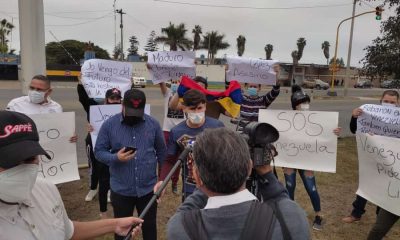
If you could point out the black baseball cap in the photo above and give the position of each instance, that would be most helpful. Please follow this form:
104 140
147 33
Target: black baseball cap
19 139
113 92
134 102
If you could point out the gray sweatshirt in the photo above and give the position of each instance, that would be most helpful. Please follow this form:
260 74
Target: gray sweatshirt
227 222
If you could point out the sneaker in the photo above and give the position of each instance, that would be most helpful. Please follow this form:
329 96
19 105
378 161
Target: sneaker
108 196
91 194
174 188
317 225
350 219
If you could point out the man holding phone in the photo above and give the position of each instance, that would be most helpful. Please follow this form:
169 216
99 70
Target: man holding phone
131 143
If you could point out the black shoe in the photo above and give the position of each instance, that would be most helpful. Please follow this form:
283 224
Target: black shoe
317 225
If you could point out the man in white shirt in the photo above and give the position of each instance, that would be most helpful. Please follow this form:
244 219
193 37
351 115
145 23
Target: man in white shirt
38 100
32 208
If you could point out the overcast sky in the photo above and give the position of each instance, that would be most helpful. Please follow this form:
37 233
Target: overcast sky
93 20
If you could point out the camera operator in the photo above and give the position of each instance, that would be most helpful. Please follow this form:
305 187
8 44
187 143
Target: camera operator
222 207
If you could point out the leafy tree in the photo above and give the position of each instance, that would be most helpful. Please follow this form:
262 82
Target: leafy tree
151 45
325 48
213 42
240 43
134 48
196 39
268 51
339 62
55 54
382 57
5 29
117 51
175 37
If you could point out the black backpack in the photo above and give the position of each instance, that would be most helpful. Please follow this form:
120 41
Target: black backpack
259 223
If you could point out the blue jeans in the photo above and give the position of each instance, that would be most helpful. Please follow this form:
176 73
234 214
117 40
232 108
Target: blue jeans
359 207
309 184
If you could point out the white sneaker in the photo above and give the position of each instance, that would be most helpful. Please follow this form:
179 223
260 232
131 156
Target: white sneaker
108 196
91 194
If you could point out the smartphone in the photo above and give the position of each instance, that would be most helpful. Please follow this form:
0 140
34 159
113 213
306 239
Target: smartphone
127 149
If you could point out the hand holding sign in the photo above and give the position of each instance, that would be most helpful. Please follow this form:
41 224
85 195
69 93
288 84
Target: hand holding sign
380 120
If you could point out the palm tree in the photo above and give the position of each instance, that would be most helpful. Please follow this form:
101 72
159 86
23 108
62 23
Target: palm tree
213 42
196 39
240 43
268 51
5 29
297 54
325 48
175 37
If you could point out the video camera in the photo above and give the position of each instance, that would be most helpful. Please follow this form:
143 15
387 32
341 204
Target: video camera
259 137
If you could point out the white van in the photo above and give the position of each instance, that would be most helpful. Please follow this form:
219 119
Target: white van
138 82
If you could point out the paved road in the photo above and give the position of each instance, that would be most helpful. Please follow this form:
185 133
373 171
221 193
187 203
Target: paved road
65 94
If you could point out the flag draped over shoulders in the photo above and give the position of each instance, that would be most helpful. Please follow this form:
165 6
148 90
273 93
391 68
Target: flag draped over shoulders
230 99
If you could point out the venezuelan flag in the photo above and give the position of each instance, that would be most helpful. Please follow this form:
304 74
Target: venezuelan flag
230 99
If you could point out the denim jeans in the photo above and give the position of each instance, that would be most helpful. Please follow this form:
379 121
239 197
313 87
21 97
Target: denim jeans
359 207
309 184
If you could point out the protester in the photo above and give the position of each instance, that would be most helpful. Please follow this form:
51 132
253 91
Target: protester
131 143
222 207
214 108
384 222
252 102
301 101
194 106
389 98
99 172
30 206
38 100
171 119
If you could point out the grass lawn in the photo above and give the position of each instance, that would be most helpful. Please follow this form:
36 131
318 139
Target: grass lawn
337 192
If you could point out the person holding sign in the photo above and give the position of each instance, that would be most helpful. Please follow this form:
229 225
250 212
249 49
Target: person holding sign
301 101
31 207
171 119
38 100
131 143
99 174
252 102
389 98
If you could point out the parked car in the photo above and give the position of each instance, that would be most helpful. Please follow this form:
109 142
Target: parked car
316 83
138 82
391 83
364 84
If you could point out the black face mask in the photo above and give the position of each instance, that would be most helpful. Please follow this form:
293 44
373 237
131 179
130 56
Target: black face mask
108 103
132 120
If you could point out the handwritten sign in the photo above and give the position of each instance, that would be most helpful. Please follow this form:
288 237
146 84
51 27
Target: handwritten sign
380 120
100 113
379 171
306 138
251 70
55 130
99 75
165 66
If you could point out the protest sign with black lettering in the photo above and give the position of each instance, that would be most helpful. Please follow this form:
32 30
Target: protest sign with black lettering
165 66
100 113
99 75
55 130
251 70
379 171
306 138
380 120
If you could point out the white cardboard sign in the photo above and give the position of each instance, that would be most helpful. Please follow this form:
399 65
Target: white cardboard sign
380 120
306 138
251 70
99 75
379 171
165 66
55 130
100 113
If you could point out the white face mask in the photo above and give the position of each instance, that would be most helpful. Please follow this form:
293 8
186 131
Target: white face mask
196 118
36 96
304 107
16 183
388 104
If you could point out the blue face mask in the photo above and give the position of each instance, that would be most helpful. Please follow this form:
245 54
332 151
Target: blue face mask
174 87
252 91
